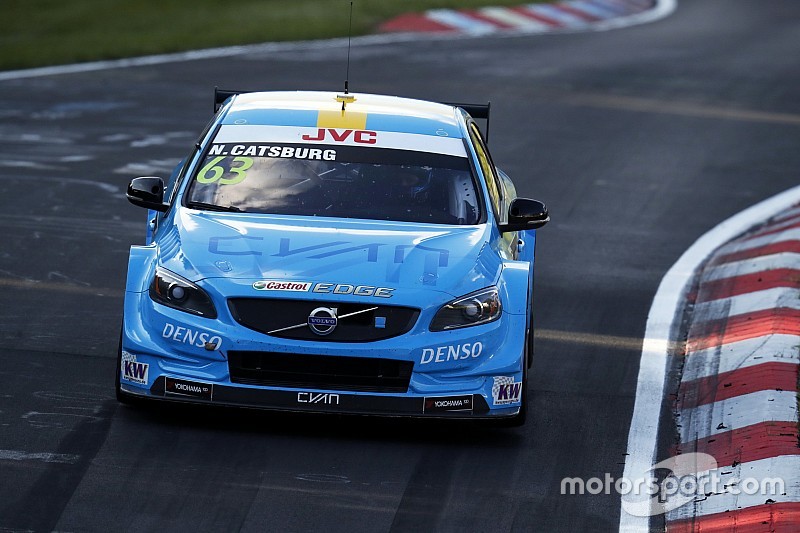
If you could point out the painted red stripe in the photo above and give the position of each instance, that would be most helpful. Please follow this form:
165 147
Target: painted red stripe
741 327
747 283
790 246
413 22
710 389
743 445
484 18
525 12
773 229
578 13
775 518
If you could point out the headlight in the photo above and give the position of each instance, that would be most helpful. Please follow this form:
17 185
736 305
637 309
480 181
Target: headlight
479 307
173 291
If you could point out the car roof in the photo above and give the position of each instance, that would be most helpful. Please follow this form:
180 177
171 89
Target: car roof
324 110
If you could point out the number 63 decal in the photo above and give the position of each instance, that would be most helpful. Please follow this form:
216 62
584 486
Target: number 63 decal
213 172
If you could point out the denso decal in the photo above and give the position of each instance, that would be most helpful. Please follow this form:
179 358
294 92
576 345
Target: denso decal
359 136
201 339
505 390
134 371
454 352
276 285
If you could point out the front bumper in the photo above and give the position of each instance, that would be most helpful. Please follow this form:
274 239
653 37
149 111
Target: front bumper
165 357
453 406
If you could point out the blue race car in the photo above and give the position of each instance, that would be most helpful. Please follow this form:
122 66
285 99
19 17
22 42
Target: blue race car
346 253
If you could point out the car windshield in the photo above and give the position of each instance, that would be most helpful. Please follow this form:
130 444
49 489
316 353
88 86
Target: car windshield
337 181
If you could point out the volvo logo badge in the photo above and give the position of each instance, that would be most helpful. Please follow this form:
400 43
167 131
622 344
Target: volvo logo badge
322 320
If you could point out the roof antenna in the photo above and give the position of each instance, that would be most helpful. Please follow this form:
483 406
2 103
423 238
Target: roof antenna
346 98
349 33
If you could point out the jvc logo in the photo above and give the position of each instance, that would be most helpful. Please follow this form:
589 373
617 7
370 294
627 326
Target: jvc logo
359 136
325 398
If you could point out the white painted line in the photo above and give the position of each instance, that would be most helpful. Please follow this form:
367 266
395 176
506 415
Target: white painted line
753 265
741 245
663 323
469 25
782 224
738 412
591 9
567 19
640 3
742 354
751 302
738 478
621 5
791 213
18 455
663 9
506 16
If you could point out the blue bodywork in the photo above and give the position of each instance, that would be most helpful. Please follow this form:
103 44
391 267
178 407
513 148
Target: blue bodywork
477 371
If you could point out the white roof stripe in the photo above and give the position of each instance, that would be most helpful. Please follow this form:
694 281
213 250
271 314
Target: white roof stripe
253 134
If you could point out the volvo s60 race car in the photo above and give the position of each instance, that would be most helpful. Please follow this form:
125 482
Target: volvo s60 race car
346 253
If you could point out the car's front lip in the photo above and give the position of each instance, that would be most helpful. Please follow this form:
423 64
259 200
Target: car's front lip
459 406
147 337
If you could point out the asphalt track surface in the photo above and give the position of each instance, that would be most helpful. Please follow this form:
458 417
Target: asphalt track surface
639 140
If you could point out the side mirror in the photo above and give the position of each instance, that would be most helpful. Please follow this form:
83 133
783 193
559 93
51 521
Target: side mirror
524 214
147 192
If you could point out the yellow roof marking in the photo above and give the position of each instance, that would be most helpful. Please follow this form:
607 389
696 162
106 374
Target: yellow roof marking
350 120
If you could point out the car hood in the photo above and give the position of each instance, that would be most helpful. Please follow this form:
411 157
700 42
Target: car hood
451 259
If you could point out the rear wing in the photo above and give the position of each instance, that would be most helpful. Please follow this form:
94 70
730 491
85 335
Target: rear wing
476 111
220 95
479 111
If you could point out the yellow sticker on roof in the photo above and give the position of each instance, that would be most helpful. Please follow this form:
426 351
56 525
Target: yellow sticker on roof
351 120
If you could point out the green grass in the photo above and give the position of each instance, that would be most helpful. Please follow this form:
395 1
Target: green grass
49 32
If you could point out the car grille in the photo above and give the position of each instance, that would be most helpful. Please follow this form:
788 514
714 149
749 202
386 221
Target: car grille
325 372
288 319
